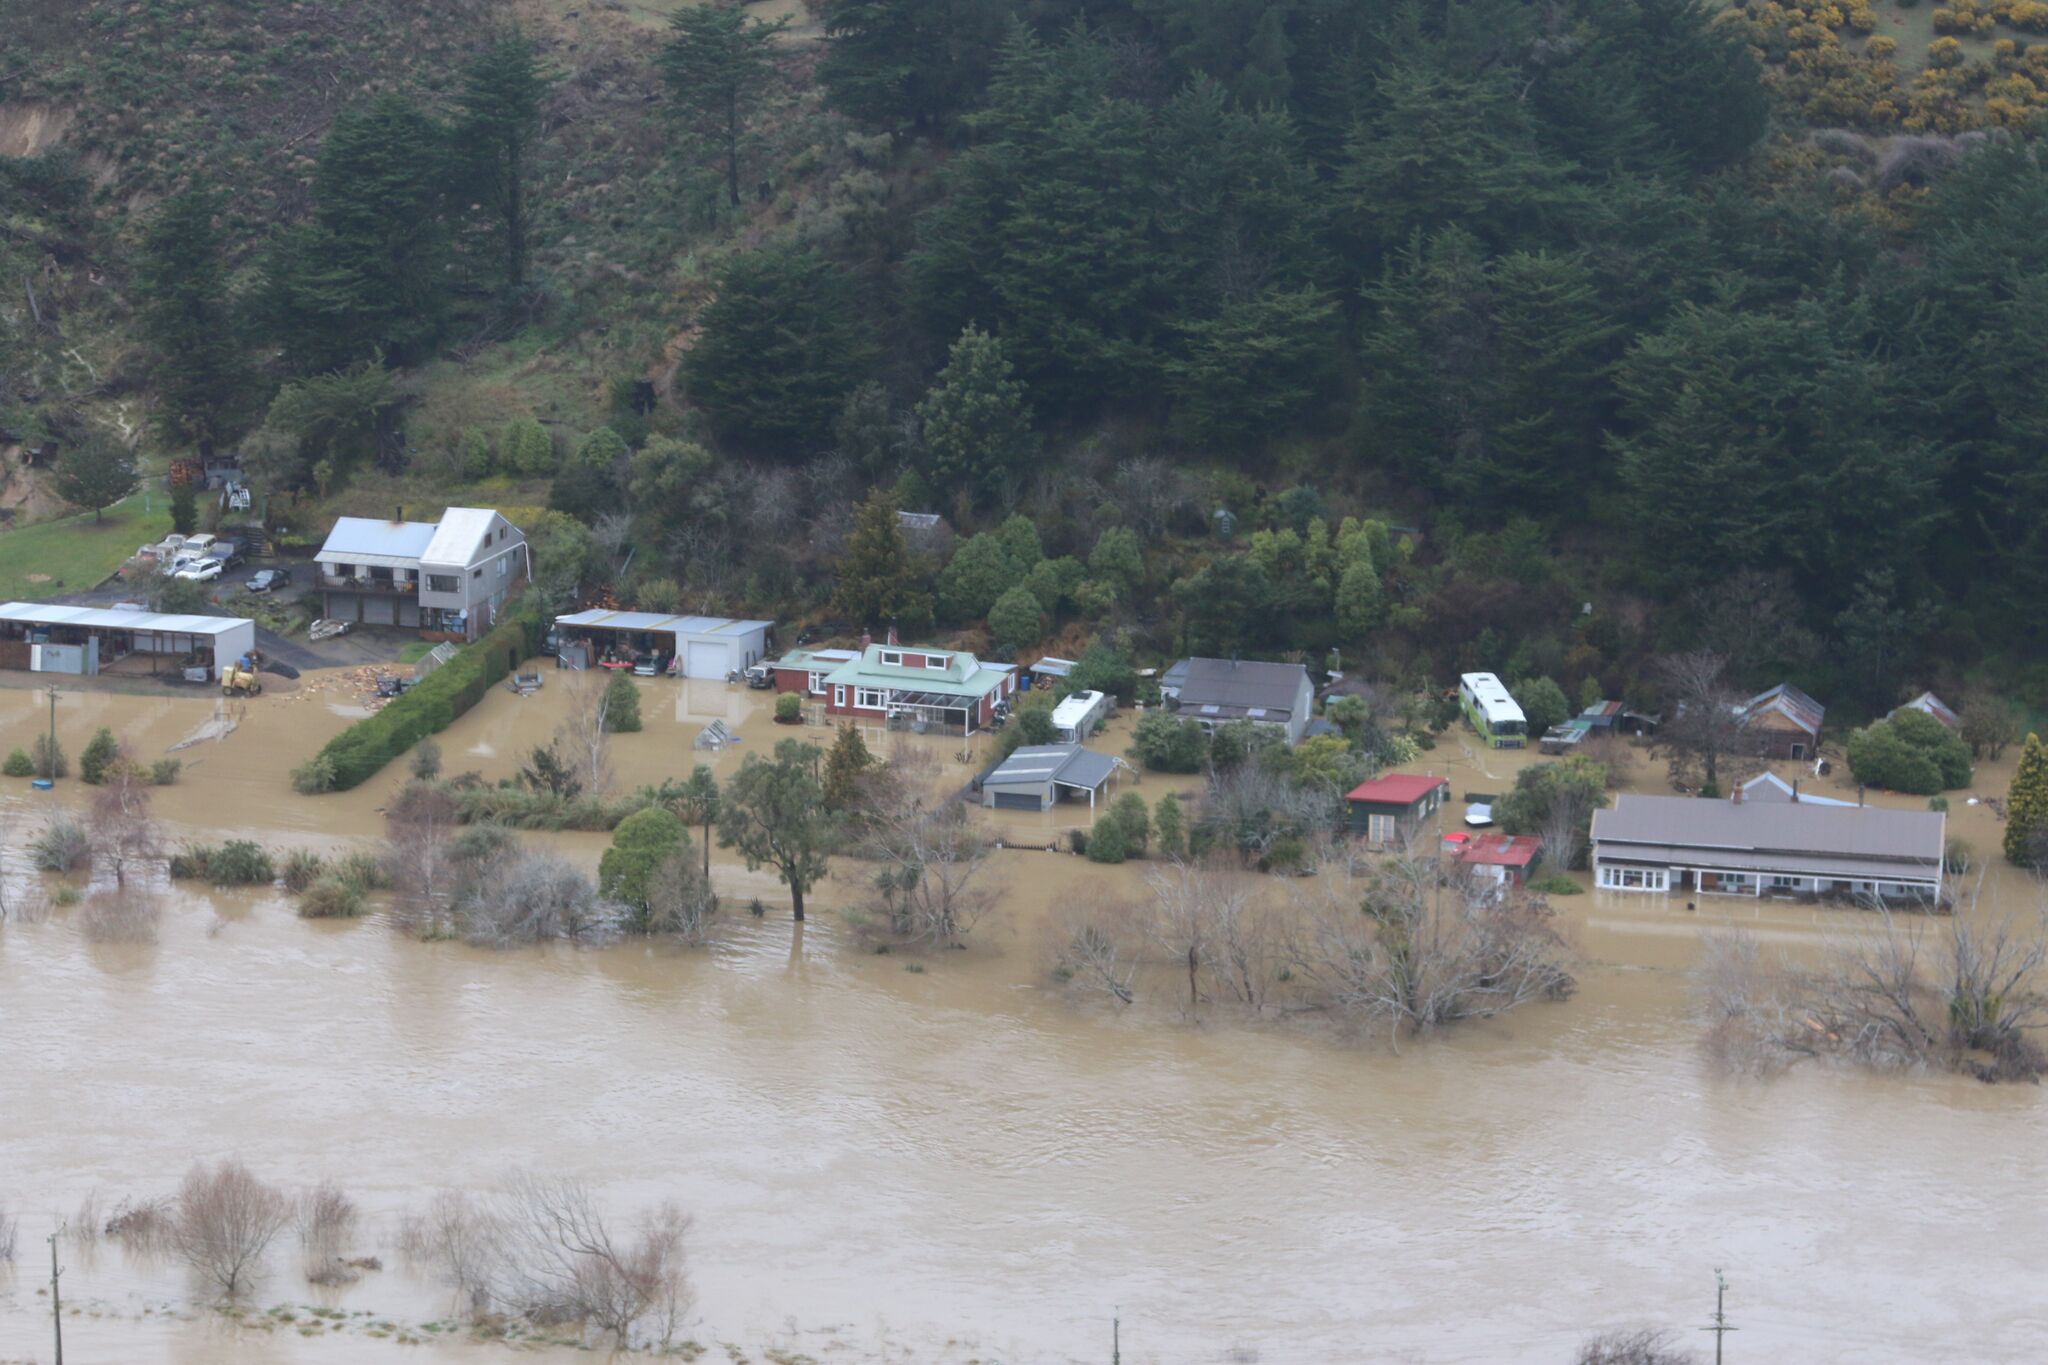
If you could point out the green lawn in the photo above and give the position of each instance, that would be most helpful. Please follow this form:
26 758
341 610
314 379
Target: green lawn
75 554
414 652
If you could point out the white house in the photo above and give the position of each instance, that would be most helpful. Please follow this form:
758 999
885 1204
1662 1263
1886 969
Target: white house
448 578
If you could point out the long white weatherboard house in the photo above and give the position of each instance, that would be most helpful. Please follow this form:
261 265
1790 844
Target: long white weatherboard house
1662 844
446 578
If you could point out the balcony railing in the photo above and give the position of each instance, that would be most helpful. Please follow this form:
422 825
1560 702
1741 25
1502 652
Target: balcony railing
406 586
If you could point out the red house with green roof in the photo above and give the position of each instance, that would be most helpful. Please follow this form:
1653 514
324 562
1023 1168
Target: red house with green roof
918 686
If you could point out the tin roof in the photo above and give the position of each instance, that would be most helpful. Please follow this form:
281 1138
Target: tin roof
1397 789
1240 686
1770 833
1789 702
122 618
1500 850
1068 765
1933 706
383 544
459 535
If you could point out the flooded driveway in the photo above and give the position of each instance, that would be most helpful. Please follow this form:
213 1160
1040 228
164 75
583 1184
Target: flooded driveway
941 1158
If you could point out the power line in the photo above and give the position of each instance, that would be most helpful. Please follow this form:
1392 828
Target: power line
1719 1327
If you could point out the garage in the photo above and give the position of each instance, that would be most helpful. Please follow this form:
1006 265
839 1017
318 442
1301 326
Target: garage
705 659
1036 776
379 611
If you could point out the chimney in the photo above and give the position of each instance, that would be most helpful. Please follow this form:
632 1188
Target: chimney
1736 795
1795 791
867 637
892 630
398 512
1859 793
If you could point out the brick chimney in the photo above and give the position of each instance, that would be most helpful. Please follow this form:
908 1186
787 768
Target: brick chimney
1736 795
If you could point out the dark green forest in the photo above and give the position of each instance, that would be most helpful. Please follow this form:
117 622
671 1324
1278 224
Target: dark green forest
1536 338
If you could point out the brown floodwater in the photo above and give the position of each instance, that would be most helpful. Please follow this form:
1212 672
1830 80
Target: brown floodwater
941 1157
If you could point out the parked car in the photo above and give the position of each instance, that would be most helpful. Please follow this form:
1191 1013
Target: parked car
647 666
551 643
204 571
267 580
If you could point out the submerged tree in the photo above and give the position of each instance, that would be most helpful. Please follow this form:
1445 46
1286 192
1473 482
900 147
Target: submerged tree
774 815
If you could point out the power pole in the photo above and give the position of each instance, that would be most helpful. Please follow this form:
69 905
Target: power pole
1116 1337
56 1304
1719 1327
53 755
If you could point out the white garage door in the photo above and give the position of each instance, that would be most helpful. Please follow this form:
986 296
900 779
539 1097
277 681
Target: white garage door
380 611
705 660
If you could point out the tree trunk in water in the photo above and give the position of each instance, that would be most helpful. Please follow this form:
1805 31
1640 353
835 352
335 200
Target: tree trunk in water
707 850
796 901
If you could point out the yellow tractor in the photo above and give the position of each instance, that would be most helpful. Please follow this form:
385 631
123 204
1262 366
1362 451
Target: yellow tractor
239 680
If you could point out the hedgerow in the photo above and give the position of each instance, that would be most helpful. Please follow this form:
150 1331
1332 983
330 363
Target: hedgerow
355 755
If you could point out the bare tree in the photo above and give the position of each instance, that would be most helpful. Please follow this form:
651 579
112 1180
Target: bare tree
584 733
1091 952
1702 736
226 1219
326 1219
461 1241
120 916
680 900
124 837
1633 1346
1249 808
10 1232
1427 948
563 1263
1898 994
1206 920
420 857
521 896
930 885
144 1226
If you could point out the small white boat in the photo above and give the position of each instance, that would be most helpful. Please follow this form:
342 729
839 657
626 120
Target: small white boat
1478 814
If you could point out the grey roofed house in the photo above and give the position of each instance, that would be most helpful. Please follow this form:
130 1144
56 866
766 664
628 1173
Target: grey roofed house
1033 777
448 578
1746 848
1215 692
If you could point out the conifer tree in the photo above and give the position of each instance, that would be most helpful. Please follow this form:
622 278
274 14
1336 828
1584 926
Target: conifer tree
846 763
95 473
181 279
502 92
717 65
2026 805
977 422
878 582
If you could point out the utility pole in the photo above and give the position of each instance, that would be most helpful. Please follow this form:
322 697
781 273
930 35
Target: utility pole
56 1304
53 750
1116 1337
1719 1327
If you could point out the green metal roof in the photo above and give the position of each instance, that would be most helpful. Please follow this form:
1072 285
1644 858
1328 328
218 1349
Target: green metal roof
963 674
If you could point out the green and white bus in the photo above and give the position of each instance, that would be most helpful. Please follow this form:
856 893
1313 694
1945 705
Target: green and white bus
1492 711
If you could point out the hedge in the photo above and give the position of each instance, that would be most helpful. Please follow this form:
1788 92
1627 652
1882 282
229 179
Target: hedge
357 753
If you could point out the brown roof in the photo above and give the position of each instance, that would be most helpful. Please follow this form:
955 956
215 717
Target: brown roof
1869 841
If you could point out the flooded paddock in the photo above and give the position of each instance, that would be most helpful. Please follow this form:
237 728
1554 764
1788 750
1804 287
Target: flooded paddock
938 1156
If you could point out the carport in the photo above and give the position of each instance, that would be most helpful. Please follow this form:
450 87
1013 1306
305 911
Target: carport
47 637
1037 775
693 646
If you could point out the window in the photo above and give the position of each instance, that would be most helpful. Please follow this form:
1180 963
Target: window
817 684
839 694
504 564
935 661
1783 882
443 582
1380 828
892 658
476 573
869 698
1799 751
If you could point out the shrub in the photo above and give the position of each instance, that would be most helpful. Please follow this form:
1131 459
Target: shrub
361 871
1166 743
49 758
62 845
1556 884
18 764
331 898
1543 703
98 754
1014 619
164 772
238 862
789 709
1133 821
1106 842
1910 752
426 761
357 753
642 842
301 868
622 705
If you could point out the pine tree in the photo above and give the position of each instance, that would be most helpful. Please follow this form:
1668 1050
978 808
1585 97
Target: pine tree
369 275
2026 805
184 510
781 346
976 420
894 64
878 581
846 764
181 279
716 66
1169 827
503 88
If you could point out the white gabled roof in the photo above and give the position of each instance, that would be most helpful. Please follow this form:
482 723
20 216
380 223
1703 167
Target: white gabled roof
122 618
461 531
382 544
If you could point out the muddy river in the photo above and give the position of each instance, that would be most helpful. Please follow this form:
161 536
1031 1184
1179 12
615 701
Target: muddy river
942 1157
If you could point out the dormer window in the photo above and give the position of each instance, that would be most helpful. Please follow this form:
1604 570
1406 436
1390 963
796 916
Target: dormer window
938 661
892 658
